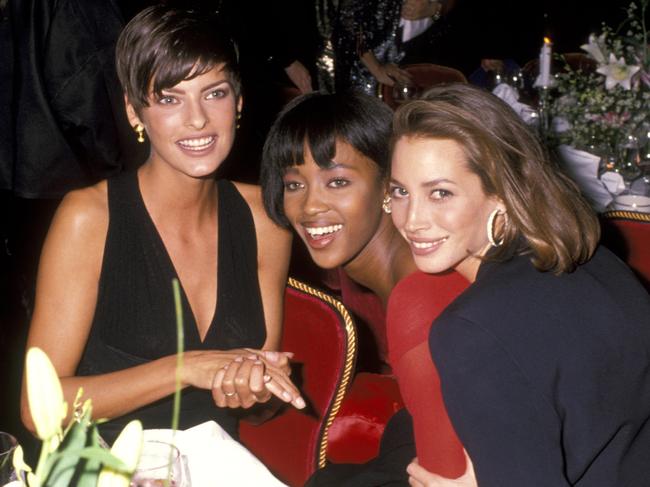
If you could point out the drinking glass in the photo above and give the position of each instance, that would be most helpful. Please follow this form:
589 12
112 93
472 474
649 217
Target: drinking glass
515 78
161 464
8 445
641 185
403 91
629 158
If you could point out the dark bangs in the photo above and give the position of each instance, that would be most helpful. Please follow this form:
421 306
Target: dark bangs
163 46
304 122
185 56
319 120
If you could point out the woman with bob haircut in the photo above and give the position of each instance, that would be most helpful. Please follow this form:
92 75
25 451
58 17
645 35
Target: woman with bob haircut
543 360
324 173
104 285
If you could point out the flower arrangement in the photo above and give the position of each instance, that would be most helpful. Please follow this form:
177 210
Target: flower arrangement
74 455
600 110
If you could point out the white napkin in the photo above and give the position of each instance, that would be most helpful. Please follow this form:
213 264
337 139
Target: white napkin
583 168
613 181
560 124
214 458
510 95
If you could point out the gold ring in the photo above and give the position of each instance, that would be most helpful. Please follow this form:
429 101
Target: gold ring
230 394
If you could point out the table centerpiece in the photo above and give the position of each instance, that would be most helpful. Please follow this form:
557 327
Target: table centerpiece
606 111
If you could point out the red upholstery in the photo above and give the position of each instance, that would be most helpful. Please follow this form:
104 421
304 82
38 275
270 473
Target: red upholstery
321 334
627 234
423 75
368 405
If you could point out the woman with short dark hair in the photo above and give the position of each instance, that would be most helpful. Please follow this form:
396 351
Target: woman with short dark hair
324 172
544 359
104 286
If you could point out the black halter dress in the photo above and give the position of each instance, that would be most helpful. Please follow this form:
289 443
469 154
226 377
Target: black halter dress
135 321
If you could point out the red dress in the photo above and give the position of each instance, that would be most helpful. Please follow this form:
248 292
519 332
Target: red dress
413 305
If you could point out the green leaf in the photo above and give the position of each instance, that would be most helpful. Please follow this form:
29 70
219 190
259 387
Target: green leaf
64 461
88 475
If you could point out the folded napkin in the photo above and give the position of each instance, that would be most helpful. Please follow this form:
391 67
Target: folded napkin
214 458
613 181
560 124
583 169
510 95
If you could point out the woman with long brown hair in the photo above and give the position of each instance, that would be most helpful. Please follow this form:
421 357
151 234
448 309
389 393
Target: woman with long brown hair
543 360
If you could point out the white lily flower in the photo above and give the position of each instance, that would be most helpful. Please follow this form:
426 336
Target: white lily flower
617 73
45 396
593 48
127 447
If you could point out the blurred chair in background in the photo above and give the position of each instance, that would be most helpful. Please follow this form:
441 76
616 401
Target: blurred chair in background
423 75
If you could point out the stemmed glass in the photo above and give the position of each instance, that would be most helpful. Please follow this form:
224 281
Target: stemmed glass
403 91
8 445
635 162
161 465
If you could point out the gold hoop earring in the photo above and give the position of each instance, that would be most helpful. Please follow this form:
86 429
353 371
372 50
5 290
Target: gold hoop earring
386 205
238 119
490 228
139 130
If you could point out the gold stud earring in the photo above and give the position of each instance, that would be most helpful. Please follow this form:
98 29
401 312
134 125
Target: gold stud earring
139 129
385 205
238 119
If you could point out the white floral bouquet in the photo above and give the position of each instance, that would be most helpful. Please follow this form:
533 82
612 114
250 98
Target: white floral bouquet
74 455
599 110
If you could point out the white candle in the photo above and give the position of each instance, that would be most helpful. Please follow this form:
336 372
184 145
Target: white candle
545 64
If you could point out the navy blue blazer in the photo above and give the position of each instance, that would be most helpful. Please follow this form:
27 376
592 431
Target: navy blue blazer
546 378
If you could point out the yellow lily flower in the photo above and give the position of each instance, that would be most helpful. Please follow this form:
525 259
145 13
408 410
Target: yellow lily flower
127 447
45 395
20 466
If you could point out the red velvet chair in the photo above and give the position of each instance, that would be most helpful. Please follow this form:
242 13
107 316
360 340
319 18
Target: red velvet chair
424 75
356 432
320 332
627 234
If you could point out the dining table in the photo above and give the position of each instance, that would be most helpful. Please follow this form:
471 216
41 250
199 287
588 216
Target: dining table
602 182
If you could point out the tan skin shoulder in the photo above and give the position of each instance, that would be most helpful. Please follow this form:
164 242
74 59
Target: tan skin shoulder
84 209
80 223
252 194
66 286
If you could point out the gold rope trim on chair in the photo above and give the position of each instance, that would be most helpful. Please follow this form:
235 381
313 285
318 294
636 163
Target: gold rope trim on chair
348 368
629 215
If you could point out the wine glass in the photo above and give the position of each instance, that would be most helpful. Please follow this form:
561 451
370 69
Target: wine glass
8 445
515 78
629 154
161 465
403 91
641 185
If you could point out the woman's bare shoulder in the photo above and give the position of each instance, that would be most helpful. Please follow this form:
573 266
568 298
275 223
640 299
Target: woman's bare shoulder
252 194
83 212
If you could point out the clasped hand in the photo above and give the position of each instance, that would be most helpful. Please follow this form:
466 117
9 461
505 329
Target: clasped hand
241 378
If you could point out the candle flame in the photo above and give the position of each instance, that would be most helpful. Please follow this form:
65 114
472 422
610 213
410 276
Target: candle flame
547 40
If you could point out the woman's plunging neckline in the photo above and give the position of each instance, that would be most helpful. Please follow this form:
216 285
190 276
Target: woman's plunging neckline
172 267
